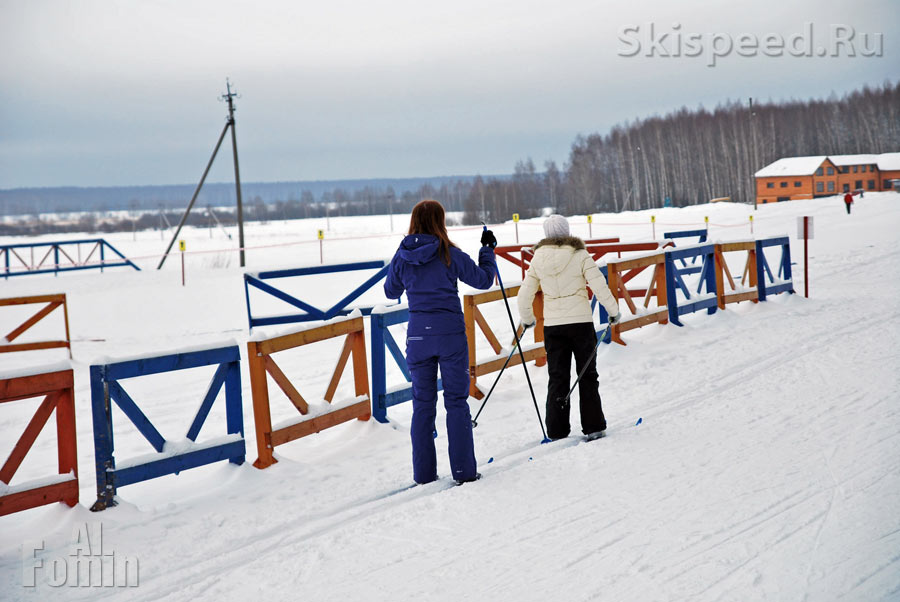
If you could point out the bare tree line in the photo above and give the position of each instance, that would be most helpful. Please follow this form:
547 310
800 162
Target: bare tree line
692 156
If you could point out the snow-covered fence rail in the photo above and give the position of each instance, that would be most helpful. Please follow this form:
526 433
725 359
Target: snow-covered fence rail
170 456
473 317
526 252
58 390
700 235
619 273
310 312
52 301
674 282
768 283
259 353
381 339
723 274
66 257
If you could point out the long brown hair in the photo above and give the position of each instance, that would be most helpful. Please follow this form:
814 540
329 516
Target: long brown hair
428 218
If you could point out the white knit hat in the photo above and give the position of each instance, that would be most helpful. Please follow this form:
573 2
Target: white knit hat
556 226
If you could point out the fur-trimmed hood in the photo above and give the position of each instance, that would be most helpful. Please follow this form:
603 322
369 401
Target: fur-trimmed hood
561 241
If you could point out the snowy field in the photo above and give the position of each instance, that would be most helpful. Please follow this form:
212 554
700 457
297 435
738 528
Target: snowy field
766 465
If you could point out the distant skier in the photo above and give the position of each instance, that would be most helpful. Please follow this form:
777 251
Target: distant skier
561 267
427 266
848 199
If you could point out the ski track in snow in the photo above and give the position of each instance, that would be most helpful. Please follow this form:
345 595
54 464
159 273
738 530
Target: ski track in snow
765 468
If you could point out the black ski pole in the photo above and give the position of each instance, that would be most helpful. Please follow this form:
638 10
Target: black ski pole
519 347
496 380
588 363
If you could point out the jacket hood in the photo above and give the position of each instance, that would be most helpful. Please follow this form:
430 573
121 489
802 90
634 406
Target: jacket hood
419 249
553 255
561 241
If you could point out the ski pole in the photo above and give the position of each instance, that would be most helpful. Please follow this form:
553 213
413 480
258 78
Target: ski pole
519 347
588 363
496 380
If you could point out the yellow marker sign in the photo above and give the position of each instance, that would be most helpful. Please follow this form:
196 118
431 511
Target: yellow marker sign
515 217
590 218
652 219
751 218
181 245
321 234
706 219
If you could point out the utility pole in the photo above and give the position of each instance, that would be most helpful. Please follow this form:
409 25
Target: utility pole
229 96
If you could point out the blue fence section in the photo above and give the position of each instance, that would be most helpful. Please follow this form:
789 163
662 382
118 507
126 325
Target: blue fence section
60 256
770 285
700 235
311 313
601 311
383 339
105 389
674 279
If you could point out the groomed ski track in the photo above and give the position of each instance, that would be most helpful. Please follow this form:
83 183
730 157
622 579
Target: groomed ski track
766 467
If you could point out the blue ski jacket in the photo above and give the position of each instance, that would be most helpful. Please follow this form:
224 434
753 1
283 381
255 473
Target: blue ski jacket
430 284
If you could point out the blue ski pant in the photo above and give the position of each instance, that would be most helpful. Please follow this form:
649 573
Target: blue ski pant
424 355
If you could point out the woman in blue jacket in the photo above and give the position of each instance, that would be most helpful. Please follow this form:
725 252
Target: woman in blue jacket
427 266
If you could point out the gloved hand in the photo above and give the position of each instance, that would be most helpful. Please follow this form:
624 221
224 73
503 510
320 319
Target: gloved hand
488 239
527 326
615 319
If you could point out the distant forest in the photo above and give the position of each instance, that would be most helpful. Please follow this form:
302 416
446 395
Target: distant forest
688 156
692 156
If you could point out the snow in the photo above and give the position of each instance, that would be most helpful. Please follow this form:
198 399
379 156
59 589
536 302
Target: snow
36 483
841 160
43 368
177 447
765 466
791 166
889 162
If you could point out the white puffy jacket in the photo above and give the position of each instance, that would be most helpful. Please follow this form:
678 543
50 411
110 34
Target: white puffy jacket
560 268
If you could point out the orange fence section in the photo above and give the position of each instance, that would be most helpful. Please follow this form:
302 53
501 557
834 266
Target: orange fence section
262 363
52 301
618 275
526 252
58 391
723 273
473 317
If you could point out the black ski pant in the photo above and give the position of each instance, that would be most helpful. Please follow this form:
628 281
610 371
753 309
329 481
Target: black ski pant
848 208
561 343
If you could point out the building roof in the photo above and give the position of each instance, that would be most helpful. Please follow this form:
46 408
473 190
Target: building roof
807 166
792 166
889 161
842 160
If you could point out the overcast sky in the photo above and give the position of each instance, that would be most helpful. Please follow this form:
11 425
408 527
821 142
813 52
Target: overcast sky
102 93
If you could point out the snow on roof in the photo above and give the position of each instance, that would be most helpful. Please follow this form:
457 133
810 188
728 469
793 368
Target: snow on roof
792 166
841 160
889 161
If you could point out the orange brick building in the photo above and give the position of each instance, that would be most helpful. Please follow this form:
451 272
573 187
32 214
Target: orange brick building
794 178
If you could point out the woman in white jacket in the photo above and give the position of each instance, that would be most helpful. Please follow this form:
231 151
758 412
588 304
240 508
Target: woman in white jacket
561 267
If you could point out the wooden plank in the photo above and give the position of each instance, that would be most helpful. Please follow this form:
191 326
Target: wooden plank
135 415
641 321
40 315
33 346
494 365
488 296
313 335
640 262
22 387
320 423
26 440
339 369
33 299
737 246
486 329
360 367
175 464
66 444
262 417
39 496
285 385
738 297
